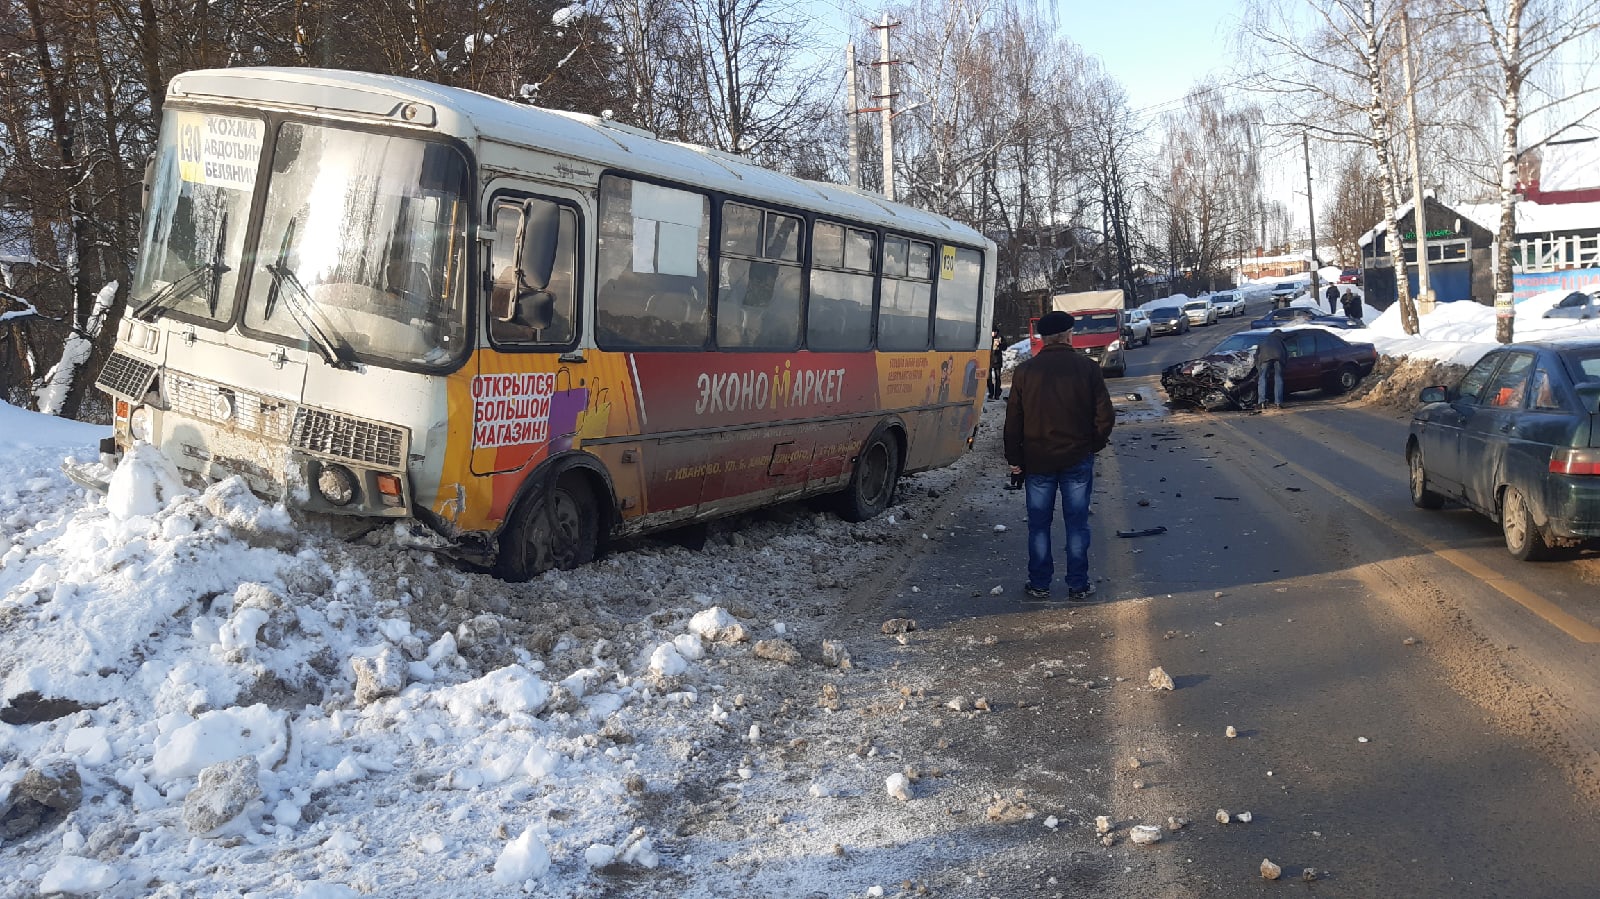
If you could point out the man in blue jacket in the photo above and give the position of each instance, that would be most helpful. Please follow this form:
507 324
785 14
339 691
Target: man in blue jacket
1058 416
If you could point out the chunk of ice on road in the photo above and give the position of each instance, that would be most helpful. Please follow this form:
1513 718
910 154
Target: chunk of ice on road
523 858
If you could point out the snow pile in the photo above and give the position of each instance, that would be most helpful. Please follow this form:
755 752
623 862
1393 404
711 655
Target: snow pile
1462 332
215 697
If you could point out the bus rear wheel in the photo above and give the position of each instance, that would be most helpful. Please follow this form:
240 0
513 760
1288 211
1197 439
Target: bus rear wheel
873 481
555 528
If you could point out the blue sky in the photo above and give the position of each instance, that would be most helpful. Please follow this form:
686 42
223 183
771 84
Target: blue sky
1156 48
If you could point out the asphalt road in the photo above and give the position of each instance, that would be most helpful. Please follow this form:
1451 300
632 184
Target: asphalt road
1416 712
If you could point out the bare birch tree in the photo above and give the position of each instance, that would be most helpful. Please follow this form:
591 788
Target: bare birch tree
1336 83
1522 36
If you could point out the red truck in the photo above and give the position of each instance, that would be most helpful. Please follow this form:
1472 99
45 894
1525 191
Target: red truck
1097 329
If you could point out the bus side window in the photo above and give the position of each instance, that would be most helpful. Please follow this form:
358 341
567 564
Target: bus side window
654 251
562 289
758 293
955 325
906 298
839 317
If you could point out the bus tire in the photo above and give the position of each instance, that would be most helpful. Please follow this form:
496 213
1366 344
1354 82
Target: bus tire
558 527
873 480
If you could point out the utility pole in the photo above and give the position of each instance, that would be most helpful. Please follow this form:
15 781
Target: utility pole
853 111
1311 211
1419 205
885 98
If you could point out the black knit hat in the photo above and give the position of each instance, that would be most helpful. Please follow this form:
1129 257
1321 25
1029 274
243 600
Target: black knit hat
1054 323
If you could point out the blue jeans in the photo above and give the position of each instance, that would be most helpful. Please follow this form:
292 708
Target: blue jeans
1275 367
1075 485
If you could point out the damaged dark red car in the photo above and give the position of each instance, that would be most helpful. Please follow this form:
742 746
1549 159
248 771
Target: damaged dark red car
1225 378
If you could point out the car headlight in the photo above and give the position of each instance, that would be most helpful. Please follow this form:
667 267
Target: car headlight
1114 346
139 425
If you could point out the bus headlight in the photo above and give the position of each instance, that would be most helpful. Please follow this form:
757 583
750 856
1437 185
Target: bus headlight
336 484
139 426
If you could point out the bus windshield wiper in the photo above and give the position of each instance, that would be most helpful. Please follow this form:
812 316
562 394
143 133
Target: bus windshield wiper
210 273
283 264
303 309
214 289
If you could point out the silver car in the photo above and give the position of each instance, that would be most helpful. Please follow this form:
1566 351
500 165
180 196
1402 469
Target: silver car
1136 327
1200 312
1576 305
1228 302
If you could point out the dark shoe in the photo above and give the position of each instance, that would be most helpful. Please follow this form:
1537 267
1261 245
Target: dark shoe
1081 595
1030 593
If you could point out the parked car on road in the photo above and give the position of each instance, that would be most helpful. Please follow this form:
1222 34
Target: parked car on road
1518 440
1283 293
1226 376
1350 276
1228 302
1200 312
1304 315
1168 320
1136 327
1576 305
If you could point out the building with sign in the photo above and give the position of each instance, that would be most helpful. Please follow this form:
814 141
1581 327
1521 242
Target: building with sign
1556 233
1460 256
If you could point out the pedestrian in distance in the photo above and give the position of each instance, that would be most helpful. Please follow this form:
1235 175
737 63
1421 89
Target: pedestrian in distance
1270 353
997 359
1058 416
1352 305
1333 298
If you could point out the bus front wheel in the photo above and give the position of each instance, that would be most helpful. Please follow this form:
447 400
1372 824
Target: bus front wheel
872 482
556 528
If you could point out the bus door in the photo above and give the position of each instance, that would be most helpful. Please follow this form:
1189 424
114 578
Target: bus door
530 395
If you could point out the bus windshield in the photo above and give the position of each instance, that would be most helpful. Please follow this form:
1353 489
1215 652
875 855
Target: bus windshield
362 246
197 215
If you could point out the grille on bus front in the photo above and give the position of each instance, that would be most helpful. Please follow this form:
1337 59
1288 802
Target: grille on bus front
344 437
125 376
206 401
329 434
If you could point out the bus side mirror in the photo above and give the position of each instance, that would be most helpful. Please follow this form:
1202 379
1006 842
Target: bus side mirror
521 294
520 306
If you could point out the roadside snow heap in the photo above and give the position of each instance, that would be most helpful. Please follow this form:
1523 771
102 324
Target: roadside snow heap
198 693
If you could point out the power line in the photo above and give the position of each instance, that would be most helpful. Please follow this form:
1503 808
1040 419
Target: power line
1165 106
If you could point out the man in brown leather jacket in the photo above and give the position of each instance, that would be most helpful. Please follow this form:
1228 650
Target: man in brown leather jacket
1058 416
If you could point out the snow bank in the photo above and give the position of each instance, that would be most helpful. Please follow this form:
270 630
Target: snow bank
1463 332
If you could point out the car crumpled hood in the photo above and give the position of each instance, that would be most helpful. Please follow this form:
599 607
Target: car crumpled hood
1231 366
1199 381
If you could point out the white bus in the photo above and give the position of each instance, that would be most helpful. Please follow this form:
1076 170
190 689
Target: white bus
526 332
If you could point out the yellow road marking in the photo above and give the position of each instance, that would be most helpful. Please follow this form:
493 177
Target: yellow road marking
1574 627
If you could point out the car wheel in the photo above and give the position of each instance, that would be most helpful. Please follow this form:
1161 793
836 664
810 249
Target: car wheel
1347 379
1422 496
1523 539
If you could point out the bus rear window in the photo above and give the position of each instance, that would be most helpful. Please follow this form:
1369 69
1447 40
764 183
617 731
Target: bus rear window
955 325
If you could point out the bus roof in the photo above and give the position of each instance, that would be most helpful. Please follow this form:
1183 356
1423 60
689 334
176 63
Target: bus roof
470 115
